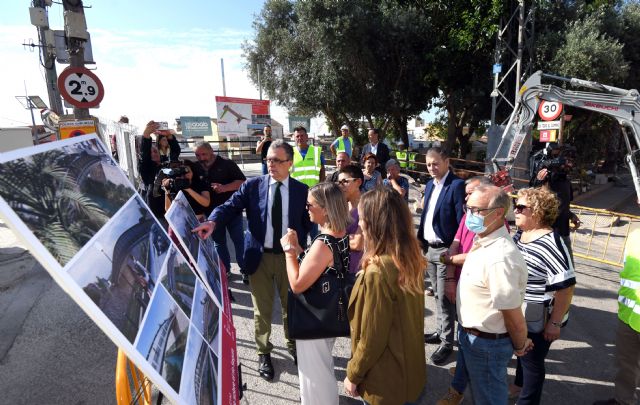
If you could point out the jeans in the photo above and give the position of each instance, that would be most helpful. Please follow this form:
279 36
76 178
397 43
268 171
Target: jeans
460 378
264 168
236 231
628 361
530 371
445 309
486 362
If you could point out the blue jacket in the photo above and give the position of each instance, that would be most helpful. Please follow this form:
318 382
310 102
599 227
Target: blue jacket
252 197
448 213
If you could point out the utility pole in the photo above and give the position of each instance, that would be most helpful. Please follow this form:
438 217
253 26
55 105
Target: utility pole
48 60
75 28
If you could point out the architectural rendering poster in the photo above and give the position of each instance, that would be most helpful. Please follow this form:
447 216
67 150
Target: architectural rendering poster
182 220
81 218
234 114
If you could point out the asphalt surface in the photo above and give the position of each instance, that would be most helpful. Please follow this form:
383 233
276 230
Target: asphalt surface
52 353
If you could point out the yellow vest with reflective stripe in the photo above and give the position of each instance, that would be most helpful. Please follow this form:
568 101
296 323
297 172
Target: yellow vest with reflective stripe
342 147
629 293
402 159
307 169
412 160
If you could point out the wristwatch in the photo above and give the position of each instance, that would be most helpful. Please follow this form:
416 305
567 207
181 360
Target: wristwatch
556 324
286 247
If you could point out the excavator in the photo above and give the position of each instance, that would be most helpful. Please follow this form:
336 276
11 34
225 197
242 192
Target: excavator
621 104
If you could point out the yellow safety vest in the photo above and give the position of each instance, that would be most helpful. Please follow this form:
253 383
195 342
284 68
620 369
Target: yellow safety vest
412 160
629 293
402 159
307 169
342 147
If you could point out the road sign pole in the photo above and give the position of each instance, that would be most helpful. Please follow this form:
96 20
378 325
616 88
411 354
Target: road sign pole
76 44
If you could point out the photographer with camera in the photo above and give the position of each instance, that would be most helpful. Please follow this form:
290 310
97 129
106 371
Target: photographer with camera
149 165
550 170
182 179
263 146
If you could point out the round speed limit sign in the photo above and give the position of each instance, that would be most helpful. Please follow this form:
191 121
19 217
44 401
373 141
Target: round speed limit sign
80 87
549 110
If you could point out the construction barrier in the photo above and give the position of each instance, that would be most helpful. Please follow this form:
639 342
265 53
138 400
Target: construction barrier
132 387
602 234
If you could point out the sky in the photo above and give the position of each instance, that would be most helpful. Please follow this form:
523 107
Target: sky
157 60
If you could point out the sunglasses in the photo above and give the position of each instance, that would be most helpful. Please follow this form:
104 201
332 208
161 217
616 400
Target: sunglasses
520 207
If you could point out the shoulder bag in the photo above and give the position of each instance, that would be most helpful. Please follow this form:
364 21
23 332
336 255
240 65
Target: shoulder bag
321 311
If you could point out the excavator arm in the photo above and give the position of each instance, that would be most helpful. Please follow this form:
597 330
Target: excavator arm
618 103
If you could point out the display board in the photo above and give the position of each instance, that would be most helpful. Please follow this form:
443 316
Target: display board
81 218
235 114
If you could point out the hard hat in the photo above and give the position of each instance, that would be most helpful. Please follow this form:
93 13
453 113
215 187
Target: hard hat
344 127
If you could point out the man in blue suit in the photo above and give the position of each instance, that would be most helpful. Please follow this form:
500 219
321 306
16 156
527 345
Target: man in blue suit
273 202
443 209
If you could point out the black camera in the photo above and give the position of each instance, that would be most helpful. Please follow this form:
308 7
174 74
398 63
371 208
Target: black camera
557 159
173 171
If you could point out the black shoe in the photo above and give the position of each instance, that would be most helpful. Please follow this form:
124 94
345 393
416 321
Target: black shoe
294 354
245 279
265 368
432 338
439 357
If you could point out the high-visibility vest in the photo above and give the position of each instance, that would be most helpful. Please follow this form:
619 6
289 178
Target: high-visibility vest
342 147
629 293
307 169
412 160
402 159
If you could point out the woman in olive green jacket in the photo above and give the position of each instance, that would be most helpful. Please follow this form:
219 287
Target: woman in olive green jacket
386 309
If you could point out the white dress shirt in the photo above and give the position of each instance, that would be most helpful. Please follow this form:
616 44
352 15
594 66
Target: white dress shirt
284 192
429 233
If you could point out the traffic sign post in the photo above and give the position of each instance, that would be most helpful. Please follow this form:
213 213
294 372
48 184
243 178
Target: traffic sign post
80 87
549 110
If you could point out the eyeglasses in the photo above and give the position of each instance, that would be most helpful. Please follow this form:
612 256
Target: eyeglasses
344 182
475 210
274 161
520 207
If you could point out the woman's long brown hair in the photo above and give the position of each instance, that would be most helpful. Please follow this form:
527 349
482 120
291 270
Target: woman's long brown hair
389 230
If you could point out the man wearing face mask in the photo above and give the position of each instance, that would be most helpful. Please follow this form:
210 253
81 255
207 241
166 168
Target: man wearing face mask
492 284
441 215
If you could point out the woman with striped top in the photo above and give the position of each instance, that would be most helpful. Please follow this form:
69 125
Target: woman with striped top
550 286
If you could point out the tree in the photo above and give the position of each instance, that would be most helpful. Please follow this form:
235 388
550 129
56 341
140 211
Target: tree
348 60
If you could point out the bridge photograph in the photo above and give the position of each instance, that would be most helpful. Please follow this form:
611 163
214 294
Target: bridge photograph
210 266
63 196
119 267
163 337
206 317
199 383
182 220
178 278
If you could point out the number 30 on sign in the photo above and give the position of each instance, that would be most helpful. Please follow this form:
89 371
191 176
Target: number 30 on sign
549 110
80 87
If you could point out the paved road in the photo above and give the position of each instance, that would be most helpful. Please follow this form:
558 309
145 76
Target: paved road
50 352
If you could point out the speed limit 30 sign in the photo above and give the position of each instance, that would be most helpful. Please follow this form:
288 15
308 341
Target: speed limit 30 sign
80 87
549 110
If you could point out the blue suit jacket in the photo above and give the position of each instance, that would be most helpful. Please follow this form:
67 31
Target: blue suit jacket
252 197
448 211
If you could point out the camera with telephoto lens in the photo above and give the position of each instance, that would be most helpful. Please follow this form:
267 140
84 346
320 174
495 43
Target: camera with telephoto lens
173 171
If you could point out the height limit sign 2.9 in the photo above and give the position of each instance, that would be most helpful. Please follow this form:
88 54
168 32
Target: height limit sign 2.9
80 87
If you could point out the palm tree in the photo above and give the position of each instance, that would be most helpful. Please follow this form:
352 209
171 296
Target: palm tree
47 197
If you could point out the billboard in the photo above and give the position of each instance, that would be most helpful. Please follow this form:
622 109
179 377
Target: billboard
98 240
235 114
196 126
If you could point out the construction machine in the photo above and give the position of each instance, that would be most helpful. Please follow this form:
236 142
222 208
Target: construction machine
618 103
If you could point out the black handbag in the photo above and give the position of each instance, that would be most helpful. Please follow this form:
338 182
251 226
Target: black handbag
321 311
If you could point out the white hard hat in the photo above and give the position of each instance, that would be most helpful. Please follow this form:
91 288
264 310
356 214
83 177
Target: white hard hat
344 127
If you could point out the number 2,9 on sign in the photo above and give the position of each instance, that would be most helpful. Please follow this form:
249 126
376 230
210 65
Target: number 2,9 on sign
549 110
80 87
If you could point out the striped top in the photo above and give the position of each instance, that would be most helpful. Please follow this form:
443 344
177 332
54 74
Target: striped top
548 264
343 251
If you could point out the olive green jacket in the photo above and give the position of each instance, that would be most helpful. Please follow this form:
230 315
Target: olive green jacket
387 337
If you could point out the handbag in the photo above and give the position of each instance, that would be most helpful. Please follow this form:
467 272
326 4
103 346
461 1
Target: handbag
321 311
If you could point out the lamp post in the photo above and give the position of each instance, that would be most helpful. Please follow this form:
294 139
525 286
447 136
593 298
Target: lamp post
29 103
